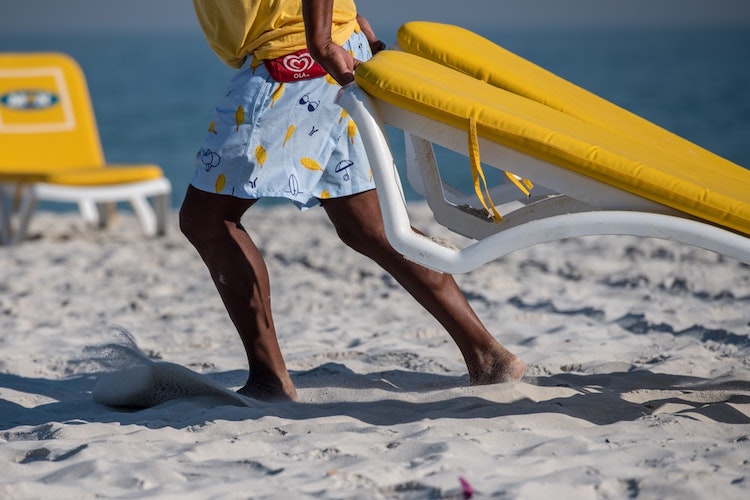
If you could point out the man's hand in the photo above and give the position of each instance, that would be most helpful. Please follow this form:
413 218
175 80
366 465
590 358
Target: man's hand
338 62
375 44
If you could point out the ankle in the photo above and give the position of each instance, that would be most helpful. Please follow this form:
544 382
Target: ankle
494 365
263 392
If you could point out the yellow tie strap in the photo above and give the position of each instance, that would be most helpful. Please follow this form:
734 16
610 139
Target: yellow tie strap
524 185
477 174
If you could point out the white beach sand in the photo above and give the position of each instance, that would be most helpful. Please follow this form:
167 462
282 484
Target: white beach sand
638 382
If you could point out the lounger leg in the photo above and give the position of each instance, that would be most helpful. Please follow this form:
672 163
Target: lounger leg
5 218
26 210
161 207
145 215
89 212
106 212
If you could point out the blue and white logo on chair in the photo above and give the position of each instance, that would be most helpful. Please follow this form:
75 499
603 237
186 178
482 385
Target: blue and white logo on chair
29 100
35 100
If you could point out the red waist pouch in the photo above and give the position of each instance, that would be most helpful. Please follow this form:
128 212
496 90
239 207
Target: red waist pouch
294 67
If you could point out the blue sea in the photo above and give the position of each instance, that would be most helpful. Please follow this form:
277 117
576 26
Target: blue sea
154 94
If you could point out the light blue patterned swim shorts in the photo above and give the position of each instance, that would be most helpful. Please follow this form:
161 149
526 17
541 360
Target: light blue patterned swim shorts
288 140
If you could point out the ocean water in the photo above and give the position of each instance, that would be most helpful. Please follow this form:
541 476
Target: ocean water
154 94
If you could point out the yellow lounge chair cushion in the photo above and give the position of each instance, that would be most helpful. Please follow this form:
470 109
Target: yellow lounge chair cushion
474 55
650 170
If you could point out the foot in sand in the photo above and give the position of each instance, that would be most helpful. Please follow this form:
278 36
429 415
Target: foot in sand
495 366
269 392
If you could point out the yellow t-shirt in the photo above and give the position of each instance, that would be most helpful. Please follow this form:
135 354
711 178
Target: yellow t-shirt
265 28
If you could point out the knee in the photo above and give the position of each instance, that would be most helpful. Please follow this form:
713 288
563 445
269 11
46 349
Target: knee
195 220
189 224
207 218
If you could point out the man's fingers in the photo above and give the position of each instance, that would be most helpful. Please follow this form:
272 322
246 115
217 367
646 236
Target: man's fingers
346 78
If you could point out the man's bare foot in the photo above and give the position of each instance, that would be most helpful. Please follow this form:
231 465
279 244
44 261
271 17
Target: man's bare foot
275 391
495 366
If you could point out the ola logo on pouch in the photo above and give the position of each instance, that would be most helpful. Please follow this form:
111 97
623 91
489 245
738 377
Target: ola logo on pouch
298 62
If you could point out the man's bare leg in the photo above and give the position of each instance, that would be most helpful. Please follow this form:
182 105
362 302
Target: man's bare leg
211 222
359 224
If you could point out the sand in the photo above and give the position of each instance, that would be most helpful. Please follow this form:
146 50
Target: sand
638 381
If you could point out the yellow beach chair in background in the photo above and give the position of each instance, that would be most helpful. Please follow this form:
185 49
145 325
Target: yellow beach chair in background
50 150
579 165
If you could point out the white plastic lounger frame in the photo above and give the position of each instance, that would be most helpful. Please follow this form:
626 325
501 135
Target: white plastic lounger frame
91 200
587 207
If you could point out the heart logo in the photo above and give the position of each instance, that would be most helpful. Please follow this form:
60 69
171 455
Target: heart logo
298 62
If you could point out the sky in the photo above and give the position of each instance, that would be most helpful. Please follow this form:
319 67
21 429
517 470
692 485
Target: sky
66 16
